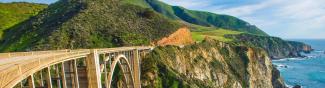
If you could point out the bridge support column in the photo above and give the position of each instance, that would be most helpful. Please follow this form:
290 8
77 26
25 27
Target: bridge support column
93 70
75 74
48 77
57 71
30 80
63 78
136 69
41 84
106 74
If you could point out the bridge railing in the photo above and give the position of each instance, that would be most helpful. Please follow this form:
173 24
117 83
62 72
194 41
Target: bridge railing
18 54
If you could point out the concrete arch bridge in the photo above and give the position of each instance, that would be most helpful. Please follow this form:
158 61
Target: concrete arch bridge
84 68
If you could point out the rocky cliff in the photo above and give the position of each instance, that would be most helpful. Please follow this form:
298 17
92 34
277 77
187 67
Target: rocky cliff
302 47
181 37
209 64
277 48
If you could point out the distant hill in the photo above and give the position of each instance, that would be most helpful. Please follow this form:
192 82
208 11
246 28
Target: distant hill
206 19
88 24
12 14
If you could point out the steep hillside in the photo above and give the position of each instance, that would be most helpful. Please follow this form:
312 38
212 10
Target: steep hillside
12 14
276 47
209 64
206 19
88 24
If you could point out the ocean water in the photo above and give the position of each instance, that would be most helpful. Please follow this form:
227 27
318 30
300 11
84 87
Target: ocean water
308 72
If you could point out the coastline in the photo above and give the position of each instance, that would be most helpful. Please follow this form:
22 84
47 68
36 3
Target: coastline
306 72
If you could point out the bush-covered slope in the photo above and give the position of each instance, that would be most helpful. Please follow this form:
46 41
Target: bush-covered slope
88 24
12 14
209 64
276 47
199 17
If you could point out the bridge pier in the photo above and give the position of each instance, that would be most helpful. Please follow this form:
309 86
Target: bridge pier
136 68
93 70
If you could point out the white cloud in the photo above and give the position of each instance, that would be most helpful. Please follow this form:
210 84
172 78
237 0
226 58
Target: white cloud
247 9
303 9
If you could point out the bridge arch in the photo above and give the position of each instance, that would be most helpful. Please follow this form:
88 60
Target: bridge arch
125 67
33 67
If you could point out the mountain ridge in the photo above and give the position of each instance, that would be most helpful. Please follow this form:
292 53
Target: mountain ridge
202 18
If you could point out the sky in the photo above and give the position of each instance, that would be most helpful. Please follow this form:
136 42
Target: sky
288 19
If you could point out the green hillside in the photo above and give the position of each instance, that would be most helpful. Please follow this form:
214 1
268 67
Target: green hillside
88 24
206 19
12 14
199 33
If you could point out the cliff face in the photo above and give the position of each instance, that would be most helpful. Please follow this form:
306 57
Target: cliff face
209 64
275 47
301 46
181 37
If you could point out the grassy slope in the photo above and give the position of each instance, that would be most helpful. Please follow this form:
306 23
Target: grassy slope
141 3
14 13
204 18
199 33
89 24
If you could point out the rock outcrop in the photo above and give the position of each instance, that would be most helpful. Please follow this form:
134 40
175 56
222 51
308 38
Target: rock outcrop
181 37
277 48
209 64
301 47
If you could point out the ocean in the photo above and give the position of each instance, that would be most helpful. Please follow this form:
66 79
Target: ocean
308 72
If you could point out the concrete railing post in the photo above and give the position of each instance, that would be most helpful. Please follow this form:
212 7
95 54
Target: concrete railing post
93 70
